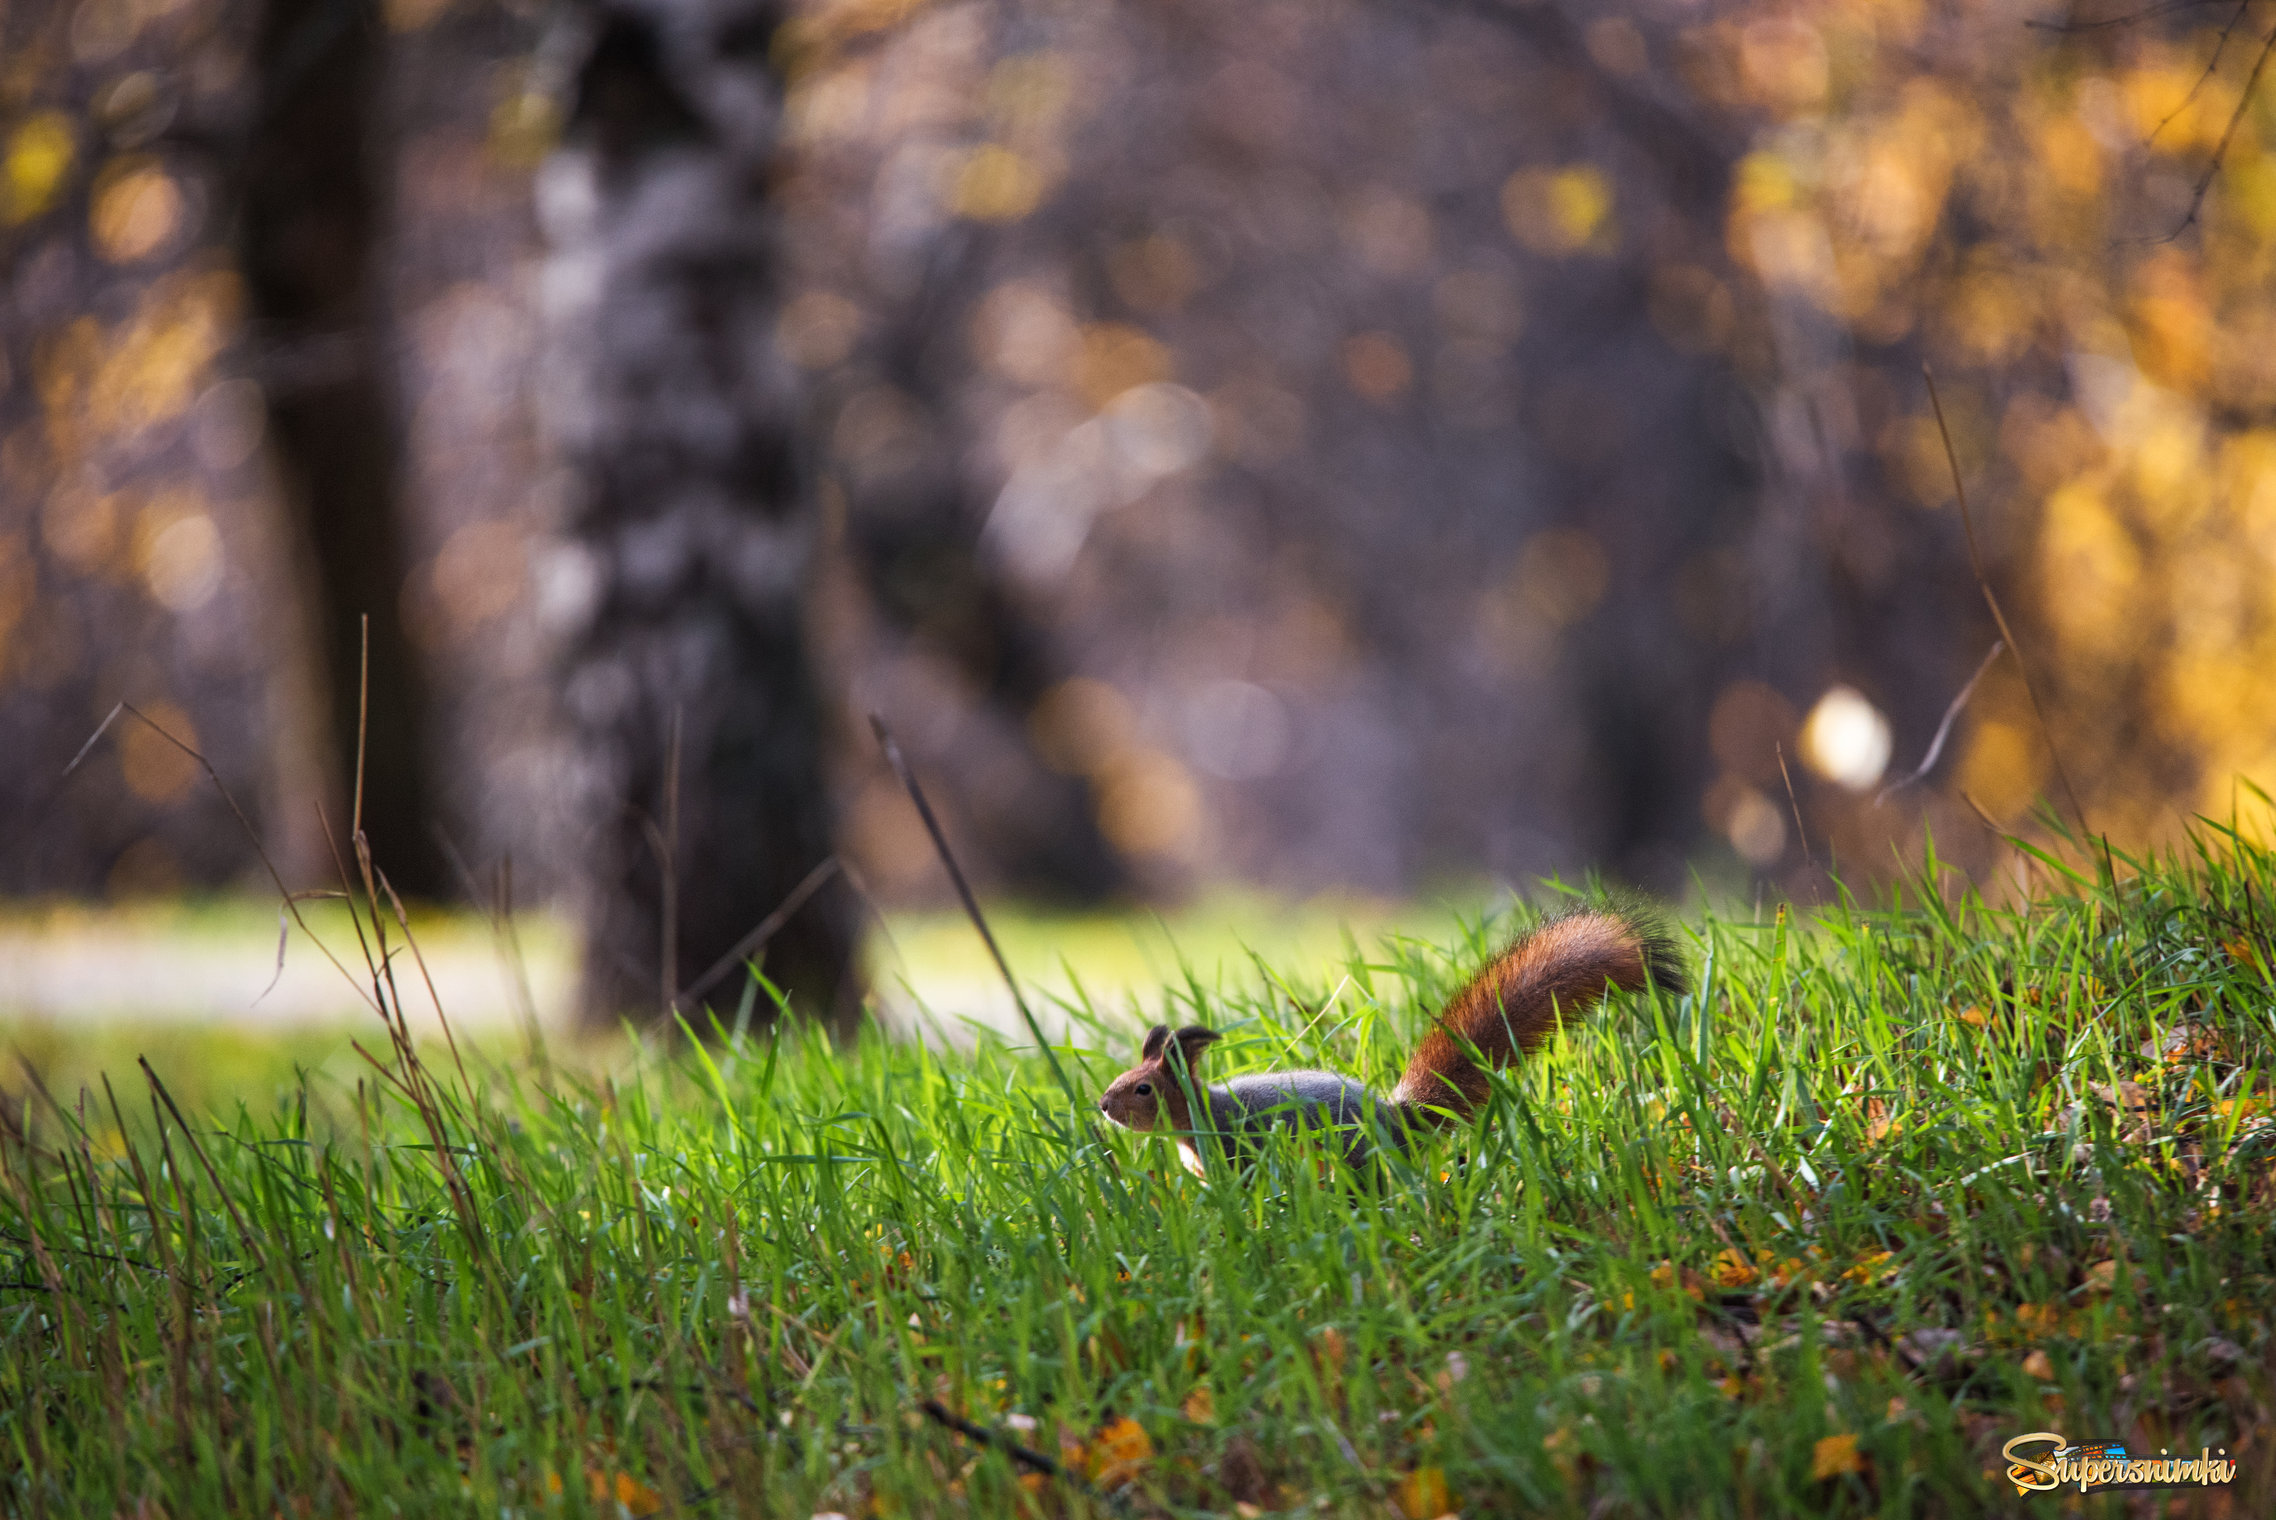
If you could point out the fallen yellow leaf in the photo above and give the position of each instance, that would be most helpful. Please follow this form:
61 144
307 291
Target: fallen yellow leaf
1200 1406
1666 1275
625 1489
1835 1455
1423 1494
1733 1270
1867 1266
1118 1450
2037 1366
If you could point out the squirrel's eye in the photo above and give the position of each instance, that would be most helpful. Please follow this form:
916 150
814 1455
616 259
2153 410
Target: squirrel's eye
1144 1089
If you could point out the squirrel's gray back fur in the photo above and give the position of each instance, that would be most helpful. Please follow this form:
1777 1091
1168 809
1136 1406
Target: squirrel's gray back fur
1244 1107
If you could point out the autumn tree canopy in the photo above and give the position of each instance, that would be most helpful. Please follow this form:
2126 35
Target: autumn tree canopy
1319 444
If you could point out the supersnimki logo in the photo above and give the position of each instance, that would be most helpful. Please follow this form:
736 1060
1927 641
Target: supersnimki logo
2107 1464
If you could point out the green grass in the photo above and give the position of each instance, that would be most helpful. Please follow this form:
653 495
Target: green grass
1880 1187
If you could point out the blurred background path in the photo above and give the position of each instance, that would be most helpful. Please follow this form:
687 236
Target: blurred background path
74 970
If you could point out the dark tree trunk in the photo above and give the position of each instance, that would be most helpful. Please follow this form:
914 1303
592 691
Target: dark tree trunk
312 219
691 532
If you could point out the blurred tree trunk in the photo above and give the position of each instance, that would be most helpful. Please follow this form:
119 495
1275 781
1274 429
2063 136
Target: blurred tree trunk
692 712
313 218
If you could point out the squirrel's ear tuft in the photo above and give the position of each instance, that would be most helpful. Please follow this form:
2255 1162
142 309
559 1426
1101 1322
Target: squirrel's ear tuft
1156 1038
1193 1040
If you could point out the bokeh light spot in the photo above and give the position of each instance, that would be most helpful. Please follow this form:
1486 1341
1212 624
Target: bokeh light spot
1148 805
136 211
997 184
1377 367
1846 739
178 553
1559 210
39 155
1562 575
1080 724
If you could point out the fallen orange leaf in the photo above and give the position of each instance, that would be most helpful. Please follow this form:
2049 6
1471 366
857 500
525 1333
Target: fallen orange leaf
1119 1449
1423 1494
625 1489
1867 1266
1835 1455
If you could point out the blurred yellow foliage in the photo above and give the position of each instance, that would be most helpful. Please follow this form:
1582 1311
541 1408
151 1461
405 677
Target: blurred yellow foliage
39 156
2001 768
997 184
1566 210
1114 357
2114 307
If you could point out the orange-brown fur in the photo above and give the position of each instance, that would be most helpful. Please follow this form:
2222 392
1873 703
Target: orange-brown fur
1142 1097
1514 1004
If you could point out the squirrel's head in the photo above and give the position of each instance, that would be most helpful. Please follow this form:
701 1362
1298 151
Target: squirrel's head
1141 1097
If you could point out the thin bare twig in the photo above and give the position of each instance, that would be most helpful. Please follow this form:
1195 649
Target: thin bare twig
1033 1460
252 835
2147 13
1983 583
908 777
2212 64
504 940
403 921
668 860
363 724
101 729
1800 833
1943 729
284 936
244 1230
766 929
2221 149
1983 817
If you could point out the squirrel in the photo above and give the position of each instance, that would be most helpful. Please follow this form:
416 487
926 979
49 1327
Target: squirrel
1513 1005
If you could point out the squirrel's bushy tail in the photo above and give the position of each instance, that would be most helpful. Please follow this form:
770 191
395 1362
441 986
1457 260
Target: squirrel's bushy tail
1557 970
